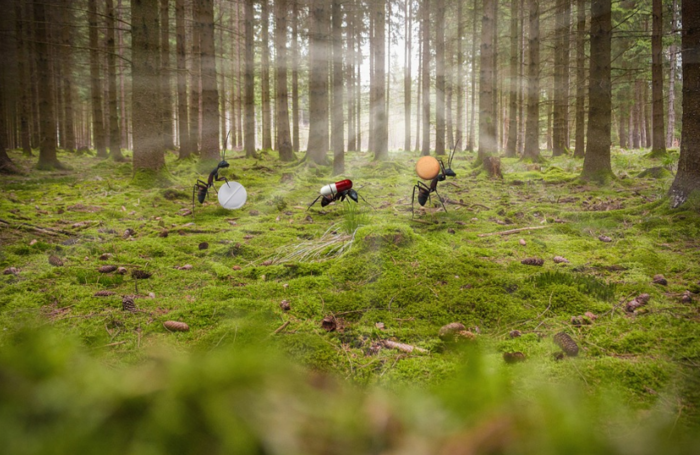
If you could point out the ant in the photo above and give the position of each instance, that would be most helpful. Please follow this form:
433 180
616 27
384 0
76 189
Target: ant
425 190
337 191
201 187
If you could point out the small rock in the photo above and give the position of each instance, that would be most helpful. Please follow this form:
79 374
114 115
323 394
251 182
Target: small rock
107 268
151 295
514 357
604 238
164 233
55 261
268 262
285 306
449 330
515 333
308 219
236 267
175 326
203 246
33 242
687 297
128 233
660 279
121 270
254 213
11 271
522 242
105 256
560 260
533 261
450 231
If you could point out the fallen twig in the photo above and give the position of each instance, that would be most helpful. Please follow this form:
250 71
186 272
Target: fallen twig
402 346
513 231
31 227
281 328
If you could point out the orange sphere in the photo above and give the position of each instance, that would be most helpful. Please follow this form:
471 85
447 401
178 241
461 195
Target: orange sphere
427 168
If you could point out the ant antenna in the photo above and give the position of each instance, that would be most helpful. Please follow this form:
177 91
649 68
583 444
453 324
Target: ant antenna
452 155
223 154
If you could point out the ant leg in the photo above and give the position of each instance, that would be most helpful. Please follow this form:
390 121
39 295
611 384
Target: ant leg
365 200
315 200
413 199
440 199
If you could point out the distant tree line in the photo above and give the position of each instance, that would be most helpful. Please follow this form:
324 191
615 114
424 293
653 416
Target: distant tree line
500 77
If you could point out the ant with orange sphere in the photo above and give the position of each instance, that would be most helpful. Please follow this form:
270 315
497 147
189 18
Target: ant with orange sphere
430 168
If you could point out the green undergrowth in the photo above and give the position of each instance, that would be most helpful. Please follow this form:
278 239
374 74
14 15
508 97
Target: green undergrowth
374 273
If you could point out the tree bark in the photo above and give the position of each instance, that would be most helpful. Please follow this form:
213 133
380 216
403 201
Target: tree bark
596 164
24 108
425 66
6 164
148 147
115 136
319 31
195 83
210 149
561 79
67 76
579 147
647 116
511 146
265 76
532 128
183 128
470 142
337 130
658 147
408 24
687 178
487 117
249 128
350 75
284 140
98 129
379 122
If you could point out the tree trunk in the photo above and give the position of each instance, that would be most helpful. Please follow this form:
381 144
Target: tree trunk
195 82
98 130
265 76
337 136
379 122
687 178
210 92
122 85
419 86
295 75
487 117
623 124
425 44
470 143
165 95
408 23
249 129
579 146
67 76
658 147
284 140
6 164
350 76
319 31
146 117
439 14
561 79
511 146
115 136
24 108
532 129
646 116
596 164
671 133
183 128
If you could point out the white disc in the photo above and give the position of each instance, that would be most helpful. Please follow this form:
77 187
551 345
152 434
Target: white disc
232 195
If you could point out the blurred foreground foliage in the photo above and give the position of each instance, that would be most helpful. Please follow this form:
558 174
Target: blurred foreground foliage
58 398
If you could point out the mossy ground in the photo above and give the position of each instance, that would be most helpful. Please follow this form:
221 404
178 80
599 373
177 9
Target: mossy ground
411 276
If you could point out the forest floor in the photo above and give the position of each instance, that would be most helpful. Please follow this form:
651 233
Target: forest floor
357 280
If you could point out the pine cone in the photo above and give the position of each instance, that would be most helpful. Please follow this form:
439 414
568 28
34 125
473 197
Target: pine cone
329 324
513 357
175 326
128 304
203 246
140 274
105 256
566 343
560 260
11 271
660 279
107 268
121 270
164 233
515 333
533 261
284 305
104 293
450 330
55 261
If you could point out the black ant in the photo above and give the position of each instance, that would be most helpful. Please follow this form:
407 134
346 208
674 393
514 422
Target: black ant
201 187
337 191
425 190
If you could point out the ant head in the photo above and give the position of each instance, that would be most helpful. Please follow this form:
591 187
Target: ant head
450 173
223 164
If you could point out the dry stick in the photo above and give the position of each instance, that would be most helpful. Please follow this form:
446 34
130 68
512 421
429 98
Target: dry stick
402 346
43 230
513 231
281 328
542 314
461 204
